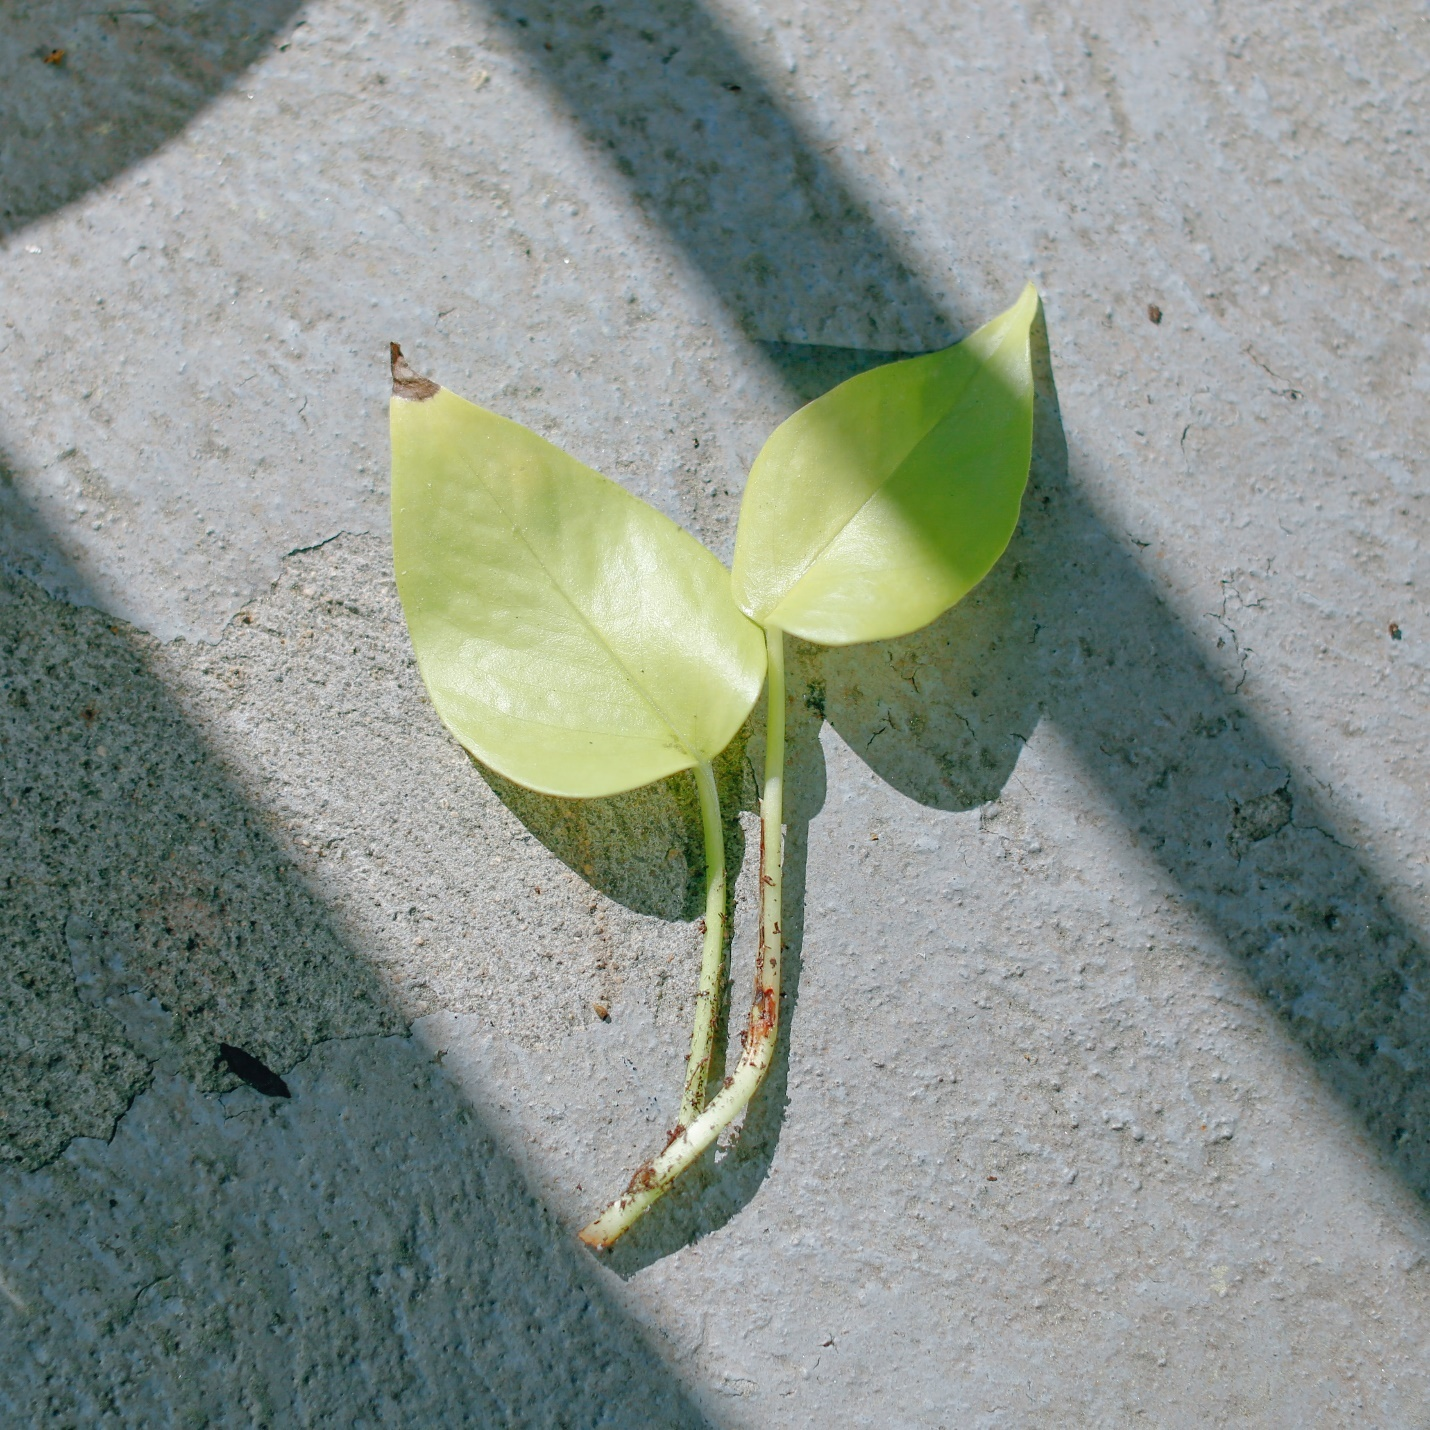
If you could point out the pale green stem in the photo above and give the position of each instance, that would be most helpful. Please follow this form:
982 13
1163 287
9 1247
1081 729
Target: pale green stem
712 962
654 1179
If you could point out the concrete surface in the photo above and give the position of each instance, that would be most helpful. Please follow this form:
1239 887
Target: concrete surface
1104 1099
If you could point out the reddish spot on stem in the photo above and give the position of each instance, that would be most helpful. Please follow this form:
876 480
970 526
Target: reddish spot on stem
642 1181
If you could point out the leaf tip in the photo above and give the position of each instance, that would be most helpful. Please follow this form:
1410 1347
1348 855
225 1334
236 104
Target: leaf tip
406 383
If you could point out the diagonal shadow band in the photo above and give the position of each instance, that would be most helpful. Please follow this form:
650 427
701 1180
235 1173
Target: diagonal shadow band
1068 626
664 94
363 1244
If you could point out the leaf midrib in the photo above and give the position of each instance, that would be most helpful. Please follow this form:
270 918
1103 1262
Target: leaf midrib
581 615
883 482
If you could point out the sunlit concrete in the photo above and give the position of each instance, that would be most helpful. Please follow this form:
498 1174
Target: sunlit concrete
1103 1095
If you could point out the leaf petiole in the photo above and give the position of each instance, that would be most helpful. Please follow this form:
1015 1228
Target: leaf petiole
654 1178
867 514
712 962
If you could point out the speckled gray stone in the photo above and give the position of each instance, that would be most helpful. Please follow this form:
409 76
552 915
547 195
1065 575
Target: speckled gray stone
1103 1098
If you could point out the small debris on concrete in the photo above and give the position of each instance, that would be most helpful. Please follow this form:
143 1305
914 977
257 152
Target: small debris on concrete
1261 817
247 1068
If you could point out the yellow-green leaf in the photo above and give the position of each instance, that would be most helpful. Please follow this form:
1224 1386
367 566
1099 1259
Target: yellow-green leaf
879 505
571 637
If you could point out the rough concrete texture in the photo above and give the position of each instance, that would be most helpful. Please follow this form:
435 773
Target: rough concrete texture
1104 1093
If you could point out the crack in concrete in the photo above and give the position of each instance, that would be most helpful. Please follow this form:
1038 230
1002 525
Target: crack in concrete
148 1086
1229 589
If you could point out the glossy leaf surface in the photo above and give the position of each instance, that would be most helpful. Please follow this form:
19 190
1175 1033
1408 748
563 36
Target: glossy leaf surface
571 636
879 505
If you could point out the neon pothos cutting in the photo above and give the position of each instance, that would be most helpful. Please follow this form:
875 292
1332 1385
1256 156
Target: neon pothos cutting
580 643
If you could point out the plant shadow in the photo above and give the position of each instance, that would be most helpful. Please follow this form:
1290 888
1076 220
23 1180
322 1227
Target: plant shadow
1069 627
942 714
644 848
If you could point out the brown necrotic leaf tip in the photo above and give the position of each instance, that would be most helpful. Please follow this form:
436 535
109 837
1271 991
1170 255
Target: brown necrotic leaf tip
406 383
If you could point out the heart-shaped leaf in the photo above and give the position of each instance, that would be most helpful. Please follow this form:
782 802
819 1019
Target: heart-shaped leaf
876 507
571 637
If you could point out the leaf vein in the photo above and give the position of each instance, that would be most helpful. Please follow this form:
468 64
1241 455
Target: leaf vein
571 601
